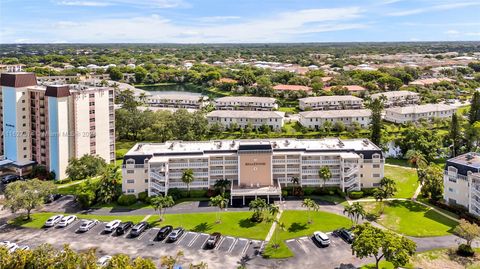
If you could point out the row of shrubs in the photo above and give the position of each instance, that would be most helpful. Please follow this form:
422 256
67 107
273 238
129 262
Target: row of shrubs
460 210
366 192
308 191
130 199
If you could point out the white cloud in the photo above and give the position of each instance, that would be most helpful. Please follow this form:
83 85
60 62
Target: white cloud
219 18
440 7
143 3
452 32
283 27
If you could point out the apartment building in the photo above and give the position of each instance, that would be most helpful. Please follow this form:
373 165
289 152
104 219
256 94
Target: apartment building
462 182
254 167
335 102
317 119
48 125
398 98
177 101
245 103
274 119
416 113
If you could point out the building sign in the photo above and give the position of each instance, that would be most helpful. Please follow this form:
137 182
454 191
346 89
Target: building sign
255 164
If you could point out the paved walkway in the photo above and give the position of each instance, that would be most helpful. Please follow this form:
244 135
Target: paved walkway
274 226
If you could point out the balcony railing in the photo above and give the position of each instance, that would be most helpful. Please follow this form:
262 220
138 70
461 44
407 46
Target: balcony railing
194 184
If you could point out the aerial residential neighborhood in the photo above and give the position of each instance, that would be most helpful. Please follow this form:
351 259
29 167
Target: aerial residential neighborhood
239 134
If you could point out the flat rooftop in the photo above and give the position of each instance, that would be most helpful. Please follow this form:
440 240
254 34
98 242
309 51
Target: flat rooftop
345 113
276 144
421 109
468 159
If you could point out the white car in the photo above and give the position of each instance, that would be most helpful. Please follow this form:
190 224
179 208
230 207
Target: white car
112 225
53 220
13 248
10 246
67 220
321 238
104 260
87 225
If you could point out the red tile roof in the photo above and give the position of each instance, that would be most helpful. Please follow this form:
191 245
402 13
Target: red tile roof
350 88
283 87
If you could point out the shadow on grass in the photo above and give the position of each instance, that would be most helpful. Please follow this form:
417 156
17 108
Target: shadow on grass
246 223
297 227
202 227
20 221
411 206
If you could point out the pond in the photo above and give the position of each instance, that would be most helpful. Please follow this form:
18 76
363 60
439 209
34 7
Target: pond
175 89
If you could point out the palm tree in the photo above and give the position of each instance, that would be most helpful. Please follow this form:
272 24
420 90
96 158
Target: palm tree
388 186
310 205
349 211
220 202
258 206
359 211
110 184
169 262
161 203
325 174
222 184
187 178
274 210
416 158
296 186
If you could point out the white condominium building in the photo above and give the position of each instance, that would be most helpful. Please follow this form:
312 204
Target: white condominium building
245 103
48 125
177 101
335 102
316 119
398 98
462 182
274 119
254 167
416 113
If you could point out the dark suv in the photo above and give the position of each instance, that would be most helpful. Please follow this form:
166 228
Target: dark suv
345 234
123 227
138 229
10 178
163 233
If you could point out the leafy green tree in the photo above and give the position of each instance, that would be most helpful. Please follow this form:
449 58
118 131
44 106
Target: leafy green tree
140 74
188 178
222 184
110 186
169 262
455 135
468 231
85 167
310 205
160 203
474 113
431 178
324 174
220 202
423 140
376 123
382 244
247 78
27 195
115 73
416 158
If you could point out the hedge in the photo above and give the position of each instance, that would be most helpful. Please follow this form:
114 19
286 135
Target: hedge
355 194
461 211
127 199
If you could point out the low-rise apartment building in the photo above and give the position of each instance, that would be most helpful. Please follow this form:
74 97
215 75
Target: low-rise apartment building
335 102
416 113
398 98
462 182
245 103
274 119
317 119
177 101
254 167
48 125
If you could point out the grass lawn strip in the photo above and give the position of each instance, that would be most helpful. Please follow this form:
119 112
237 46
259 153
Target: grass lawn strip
406 179
413 219
236 224
38 219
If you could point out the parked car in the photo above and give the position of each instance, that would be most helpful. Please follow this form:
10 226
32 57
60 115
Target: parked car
67 220
176 234
112 225
52 197
213 240
345 234
10 178
138 229
104 260
123 227
53 220
321 238
8 245
163 232
87 225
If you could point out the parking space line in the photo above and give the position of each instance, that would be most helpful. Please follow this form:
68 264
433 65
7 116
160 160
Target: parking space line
181 238
142 235
220 242
3 226
204 242
304 248
233 245
290 240
193 240
246 246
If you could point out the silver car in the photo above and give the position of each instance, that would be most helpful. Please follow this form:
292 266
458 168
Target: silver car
87 225
67 220
53 220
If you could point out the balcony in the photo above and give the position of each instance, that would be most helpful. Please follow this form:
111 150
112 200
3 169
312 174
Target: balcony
194 184
188 165
195 175
322 162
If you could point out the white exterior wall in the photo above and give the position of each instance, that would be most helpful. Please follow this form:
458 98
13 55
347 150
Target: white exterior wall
102 125
81 124
63 137
318 122
24 143
276 123
396 117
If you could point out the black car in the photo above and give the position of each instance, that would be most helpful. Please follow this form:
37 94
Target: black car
10 178
213 240
123 227
52 197
345 234
163 233
138 229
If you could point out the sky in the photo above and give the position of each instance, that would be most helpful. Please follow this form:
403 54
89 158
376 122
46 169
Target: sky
237 21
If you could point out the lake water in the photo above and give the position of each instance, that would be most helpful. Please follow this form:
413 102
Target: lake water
174 89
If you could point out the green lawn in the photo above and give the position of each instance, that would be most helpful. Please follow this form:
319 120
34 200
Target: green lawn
279 252
406 179
296 223
291 110
413 219
232 223
38 219
137 205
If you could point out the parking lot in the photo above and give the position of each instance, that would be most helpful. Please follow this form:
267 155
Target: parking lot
236 247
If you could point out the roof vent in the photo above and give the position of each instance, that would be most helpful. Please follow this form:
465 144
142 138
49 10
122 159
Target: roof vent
469 156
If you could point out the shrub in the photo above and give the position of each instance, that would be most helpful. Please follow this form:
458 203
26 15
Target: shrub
465 250
308 191
127 199
284 193
372 216
211 193
460 210
197 193
86 198
142 196
175 193
355 194
368 191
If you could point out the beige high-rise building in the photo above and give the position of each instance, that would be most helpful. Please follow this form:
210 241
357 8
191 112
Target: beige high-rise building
48 125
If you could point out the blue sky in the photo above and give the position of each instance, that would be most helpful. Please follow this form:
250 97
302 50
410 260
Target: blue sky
218 21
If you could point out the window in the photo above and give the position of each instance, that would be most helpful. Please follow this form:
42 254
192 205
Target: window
130 191
376 156
376 175
130 181
146 180
452 179
451 190
376 166
130 161
130 171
